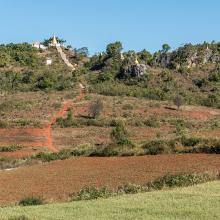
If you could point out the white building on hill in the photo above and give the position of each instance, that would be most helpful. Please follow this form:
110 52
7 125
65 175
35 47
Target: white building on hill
38 45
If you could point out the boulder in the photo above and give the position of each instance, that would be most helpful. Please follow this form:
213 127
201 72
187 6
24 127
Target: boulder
135 70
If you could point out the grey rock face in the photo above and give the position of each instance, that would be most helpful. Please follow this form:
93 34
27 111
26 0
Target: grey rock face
165 59
136 70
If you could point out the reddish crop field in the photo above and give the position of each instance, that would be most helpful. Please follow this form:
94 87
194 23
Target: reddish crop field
55 181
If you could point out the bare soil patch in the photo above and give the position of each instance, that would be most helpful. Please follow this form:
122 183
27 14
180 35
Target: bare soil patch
56 180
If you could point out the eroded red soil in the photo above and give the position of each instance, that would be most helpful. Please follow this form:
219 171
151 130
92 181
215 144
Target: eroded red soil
33 137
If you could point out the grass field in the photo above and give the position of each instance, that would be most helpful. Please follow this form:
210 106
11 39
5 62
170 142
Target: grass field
199 202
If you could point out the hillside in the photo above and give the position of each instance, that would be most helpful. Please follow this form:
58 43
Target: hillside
115 118
191 71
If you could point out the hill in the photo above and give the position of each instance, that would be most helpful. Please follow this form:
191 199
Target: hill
191 71
115 118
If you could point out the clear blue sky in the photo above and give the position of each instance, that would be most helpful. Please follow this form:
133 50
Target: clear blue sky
94 23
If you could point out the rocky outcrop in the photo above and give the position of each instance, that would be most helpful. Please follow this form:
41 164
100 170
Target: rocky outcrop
135 70
187 56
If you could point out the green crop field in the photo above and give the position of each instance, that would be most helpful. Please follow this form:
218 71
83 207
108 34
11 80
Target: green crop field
199 202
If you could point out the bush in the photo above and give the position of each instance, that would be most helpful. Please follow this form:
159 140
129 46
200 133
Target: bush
47 157
96 108
153 122
157 147
83 150
12 148
8 163
130 189
190 142
90 193
30 201
68 121
119 134
180 180
213 100
167 181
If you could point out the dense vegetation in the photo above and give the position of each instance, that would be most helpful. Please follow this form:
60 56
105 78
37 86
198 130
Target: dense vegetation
191 71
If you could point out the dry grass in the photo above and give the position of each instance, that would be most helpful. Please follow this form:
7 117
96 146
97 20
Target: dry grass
31 108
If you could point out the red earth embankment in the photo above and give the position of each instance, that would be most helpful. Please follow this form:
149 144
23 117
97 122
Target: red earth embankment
55 181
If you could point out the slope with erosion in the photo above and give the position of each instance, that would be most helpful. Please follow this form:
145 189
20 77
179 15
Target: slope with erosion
29 135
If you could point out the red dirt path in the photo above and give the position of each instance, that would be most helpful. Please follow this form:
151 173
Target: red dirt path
33 137
56 180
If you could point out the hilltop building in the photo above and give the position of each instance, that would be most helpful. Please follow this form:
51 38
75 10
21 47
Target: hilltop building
49 61
54 42
38 45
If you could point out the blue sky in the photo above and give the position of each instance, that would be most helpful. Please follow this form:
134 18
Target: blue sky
138 24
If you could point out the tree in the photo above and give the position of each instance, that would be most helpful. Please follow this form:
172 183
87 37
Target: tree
178 101
82 51
114 49
4 59
145 55
13 78
96 108
166 48
213 100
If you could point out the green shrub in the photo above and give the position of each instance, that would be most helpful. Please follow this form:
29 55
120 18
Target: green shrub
180 180
119 134
12 148
113 149
213 100
106 151
30 201
90 193
209 149
157 147
8 163
167 181
180 127
190 142
68 121
83 150
153 122
47 157
214 76
130 189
